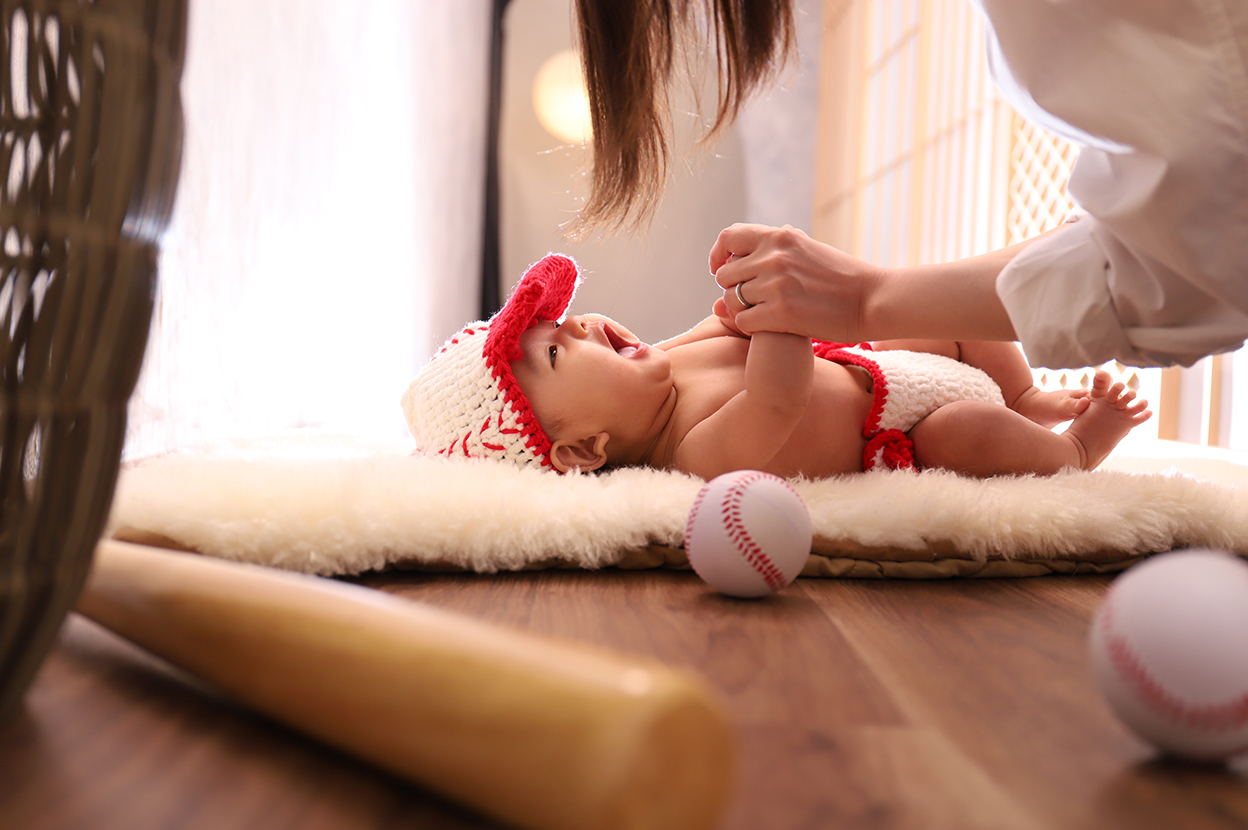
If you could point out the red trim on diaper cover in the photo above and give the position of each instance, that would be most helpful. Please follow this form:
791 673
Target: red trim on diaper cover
892 447
824 347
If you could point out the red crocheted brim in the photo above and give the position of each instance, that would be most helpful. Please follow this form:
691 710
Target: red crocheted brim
543 294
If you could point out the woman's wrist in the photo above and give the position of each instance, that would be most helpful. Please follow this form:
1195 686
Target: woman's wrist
946 301
878 307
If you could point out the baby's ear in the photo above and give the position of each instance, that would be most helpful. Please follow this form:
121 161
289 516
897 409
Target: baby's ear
585 454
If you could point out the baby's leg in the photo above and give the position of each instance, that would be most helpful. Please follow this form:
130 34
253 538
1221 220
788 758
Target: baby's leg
982 439
1112 412
1004 363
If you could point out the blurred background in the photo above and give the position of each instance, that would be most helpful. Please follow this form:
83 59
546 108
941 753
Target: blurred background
331 216
658 285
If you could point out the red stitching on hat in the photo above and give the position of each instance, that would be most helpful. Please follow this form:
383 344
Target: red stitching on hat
544 293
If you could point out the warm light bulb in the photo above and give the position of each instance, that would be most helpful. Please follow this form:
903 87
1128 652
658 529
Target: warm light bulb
559 98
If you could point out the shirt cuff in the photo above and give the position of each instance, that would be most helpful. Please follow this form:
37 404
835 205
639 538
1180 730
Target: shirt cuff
1057 295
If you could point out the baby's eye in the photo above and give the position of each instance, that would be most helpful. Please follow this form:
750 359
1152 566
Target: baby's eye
552 351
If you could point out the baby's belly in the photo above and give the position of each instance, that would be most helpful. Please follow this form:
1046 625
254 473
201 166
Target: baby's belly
828 440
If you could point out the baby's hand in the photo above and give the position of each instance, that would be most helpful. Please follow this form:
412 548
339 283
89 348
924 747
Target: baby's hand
726 317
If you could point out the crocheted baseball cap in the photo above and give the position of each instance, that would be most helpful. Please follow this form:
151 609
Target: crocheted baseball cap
466 402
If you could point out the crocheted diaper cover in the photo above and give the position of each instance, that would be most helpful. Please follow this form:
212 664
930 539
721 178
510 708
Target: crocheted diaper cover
907 387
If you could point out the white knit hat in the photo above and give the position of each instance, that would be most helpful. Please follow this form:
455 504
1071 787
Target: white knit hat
465 402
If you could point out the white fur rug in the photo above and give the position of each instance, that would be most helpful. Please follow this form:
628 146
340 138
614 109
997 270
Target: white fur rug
335 504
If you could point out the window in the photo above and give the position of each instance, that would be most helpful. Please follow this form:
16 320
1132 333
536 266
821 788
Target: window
327 231
922 161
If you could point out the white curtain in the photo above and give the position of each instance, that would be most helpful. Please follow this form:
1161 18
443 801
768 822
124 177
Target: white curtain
328 225
778 133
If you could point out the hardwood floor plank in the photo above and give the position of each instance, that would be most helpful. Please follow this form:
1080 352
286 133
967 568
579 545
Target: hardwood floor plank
790 681
999 668
927 781
745 649
889 705
112 738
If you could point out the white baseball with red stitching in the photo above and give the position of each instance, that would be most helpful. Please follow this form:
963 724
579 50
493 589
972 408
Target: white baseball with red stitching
1169 648
748 534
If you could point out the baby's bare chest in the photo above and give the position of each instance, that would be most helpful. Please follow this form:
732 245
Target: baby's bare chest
827 440
707 375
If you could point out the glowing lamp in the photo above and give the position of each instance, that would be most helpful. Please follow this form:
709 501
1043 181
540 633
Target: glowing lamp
559 98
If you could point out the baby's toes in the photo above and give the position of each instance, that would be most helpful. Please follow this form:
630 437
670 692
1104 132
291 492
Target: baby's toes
1124 400
1100 384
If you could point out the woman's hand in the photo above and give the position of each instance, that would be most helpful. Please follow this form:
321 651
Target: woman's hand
791 283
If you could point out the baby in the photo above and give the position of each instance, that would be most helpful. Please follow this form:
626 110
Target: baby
584 393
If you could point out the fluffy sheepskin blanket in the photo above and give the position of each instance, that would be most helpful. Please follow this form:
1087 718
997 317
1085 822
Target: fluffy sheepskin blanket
335 505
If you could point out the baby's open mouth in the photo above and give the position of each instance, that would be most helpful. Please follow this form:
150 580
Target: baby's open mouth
622 347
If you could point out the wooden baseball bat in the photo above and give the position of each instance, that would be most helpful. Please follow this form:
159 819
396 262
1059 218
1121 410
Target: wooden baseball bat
538 733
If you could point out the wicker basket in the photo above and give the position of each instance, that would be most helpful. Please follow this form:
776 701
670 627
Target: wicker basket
91 125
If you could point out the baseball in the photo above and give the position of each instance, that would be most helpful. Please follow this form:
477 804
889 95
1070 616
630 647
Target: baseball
1169 649
748 534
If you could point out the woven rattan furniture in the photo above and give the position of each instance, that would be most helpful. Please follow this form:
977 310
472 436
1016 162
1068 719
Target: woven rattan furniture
90 144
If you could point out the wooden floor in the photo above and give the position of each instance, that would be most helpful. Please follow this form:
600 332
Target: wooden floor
859 704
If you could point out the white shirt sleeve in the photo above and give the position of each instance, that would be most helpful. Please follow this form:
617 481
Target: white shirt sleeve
1156 94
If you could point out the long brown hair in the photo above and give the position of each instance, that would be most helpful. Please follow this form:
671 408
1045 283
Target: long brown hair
628 53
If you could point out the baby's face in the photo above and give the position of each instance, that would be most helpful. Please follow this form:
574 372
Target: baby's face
591 375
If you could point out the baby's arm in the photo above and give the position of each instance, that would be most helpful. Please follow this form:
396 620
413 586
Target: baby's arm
749 430
710 327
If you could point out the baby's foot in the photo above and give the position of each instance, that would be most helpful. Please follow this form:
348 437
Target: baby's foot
1111 413
1048 409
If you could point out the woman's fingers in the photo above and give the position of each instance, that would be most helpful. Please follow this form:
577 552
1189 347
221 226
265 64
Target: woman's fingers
742 269
791 283
734 243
